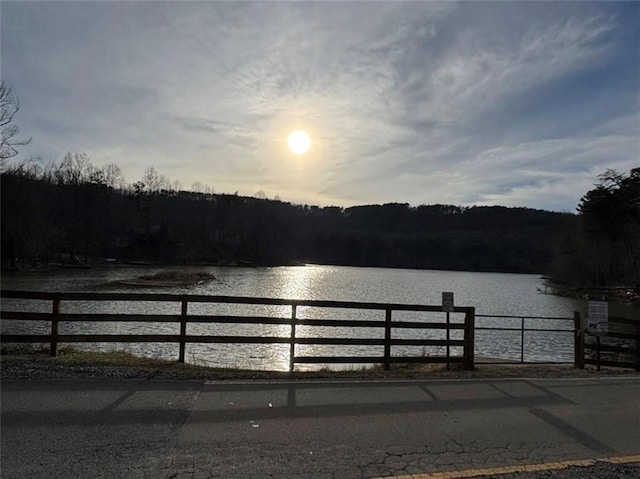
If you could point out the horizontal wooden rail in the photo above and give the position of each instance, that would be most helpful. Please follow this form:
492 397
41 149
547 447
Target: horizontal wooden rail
613 334
615 347
628 321
386 325
194 318
192 298
376 359
416 325
611 348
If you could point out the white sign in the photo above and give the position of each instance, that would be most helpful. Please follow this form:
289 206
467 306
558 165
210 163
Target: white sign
598 314
447 302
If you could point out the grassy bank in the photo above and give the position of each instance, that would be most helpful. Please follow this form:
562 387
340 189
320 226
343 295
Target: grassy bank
27 363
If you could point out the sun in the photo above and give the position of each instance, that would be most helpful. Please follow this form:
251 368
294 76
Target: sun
299 142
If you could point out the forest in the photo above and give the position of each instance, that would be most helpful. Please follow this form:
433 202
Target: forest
603 248
76 213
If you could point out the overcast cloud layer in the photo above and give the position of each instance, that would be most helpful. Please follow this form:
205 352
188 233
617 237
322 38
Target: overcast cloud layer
516 104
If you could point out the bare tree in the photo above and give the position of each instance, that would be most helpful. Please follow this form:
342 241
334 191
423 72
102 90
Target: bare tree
155 181
151 179
74 168
113 177
176 186
49 171
164 183
95 175
9 106
27 168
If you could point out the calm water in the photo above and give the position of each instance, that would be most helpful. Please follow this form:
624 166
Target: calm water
489 293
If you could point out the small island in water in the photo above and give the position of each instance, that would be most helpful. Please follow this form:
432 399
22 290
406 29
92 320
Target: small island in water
169 278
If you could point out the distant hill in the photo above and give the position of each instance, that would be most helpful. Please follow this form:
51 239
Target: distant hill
44 221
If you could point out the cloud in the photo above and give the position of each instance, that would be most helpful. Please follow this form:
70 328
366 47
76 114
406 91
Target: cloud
495 103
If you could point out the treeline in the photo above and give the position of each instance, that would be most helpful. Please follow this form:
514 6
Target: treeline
74 211
603 248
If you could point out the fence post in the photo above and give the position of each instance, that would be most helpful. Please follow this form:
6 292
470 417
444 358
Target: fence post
54 328
578 341
469 337
448 341
387 340
292 347
522 340
183 330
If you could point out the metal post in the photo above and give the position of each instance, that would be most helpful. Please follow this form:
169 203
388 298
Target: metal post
54 328
183 331
292 347
387 340
521 340
598 352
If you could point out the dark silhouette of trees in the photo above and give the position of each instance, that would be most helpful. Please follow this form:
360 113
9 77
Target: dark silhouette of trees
611 224
604 249
77 210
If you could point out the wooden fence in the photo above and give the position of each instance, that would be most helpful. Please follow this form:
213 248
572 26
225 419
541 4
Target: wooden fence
388 325
618 347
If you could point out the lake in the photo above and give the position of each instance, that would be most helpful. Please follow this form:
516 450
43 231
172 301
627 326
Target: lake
490 293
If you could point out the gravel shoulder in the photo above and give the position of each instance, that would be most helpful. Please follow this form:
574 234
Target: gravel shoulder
600 470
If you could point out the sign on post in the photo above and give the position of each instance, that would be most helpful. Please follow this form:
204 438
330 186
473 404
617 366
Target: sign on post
598 314
447 302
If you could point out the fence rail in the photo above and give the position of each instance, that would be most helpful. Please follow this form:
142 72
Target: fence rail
55 317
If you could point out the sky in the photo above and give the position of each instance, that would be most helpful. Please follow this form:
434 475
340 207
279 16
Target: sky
472 103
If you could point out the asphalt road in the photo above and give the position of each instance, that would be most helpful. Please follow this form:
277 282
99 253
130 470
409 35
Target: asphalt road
196 429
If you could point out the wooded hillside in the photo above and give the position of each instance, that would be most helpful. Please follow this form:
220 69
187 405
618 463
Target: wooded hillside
51 217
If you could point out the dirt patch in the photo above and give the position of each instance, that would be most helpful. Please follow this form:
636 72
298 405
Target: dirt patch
169 278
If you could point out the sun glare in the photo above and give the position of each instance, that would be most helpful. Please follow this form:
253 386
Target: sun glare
299 142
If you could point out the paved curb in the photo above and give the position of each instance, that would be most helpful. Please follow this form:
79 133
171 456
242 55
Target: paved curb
496 471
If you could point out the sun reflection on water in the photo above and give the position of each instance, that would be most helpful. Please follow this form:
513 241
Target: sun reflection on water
298 283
